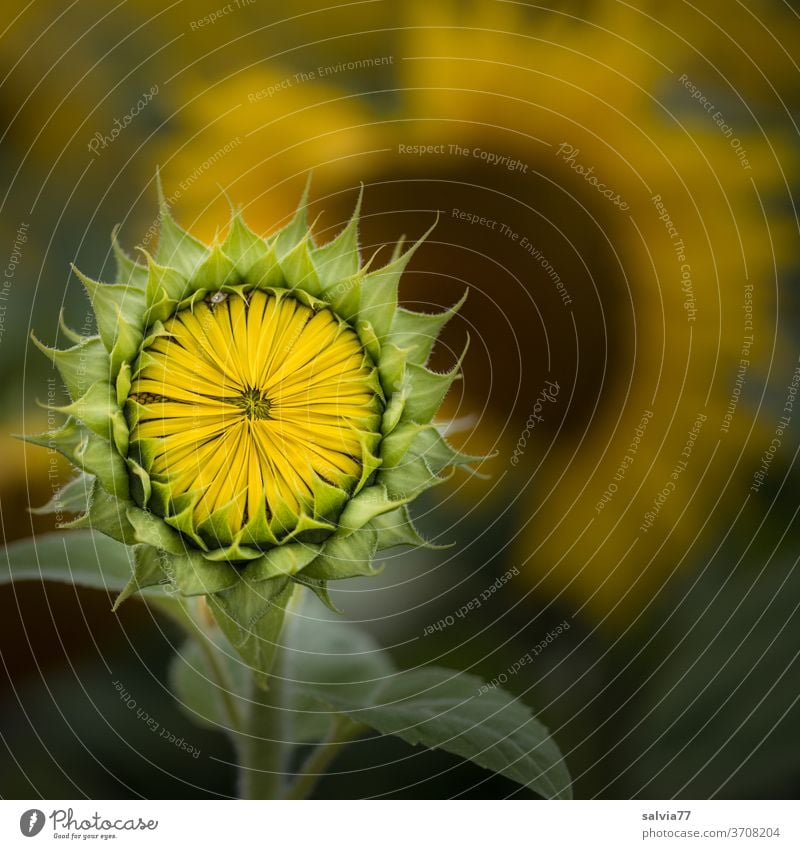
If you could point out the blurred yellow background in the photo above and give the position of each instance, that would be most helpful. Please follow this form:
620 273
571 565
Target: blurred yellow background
615 188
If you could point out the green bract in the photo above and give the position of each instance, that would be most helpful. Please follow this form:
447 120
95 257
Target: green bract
333 526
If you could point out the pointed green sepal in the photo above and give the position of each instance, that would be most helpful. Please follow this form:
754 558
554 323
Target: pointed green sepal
148 571
141 487
416 332
397 529
176 247
371 502
80 366
394 410
257 531
89 452
119 311
379 290
150 530
217 271
328 499
129 272
345 557
193 575
72 335
392 368
368 338
426 390
410 441
339 259
416 458
252 621
265 272
242 245
236 552
176 509
320 590
166 288
410 479
397 250
308 528
286 238
95 408
73 497
106 514
371 460
344 296
298 269
284 561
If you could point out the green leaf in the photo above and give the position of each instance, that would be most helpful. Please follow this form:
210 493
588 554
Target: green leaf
331 668
328 656
442 709
81 558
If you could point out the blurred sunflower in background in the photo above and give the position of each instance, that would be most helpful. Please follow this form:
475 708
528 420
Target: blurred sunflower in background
619 215
615 187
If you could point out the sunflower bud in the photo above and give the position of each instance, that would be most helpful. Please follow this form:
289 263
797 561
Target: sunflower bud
255 414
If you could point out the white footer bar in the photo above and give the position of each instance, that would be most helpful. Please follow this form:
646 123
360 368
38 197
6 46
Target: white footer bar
401 824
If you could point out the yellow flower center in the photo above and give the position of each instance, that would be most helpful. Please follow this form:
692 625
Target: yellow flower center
252 398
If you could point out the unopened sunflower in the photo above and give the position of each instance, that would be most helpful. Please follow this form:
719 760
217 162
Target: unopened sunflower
255 414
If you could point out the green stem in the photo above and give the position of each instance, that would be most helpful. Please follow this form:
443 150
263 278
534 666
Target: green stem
222 682
263 745
190 618
342 732
261 737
